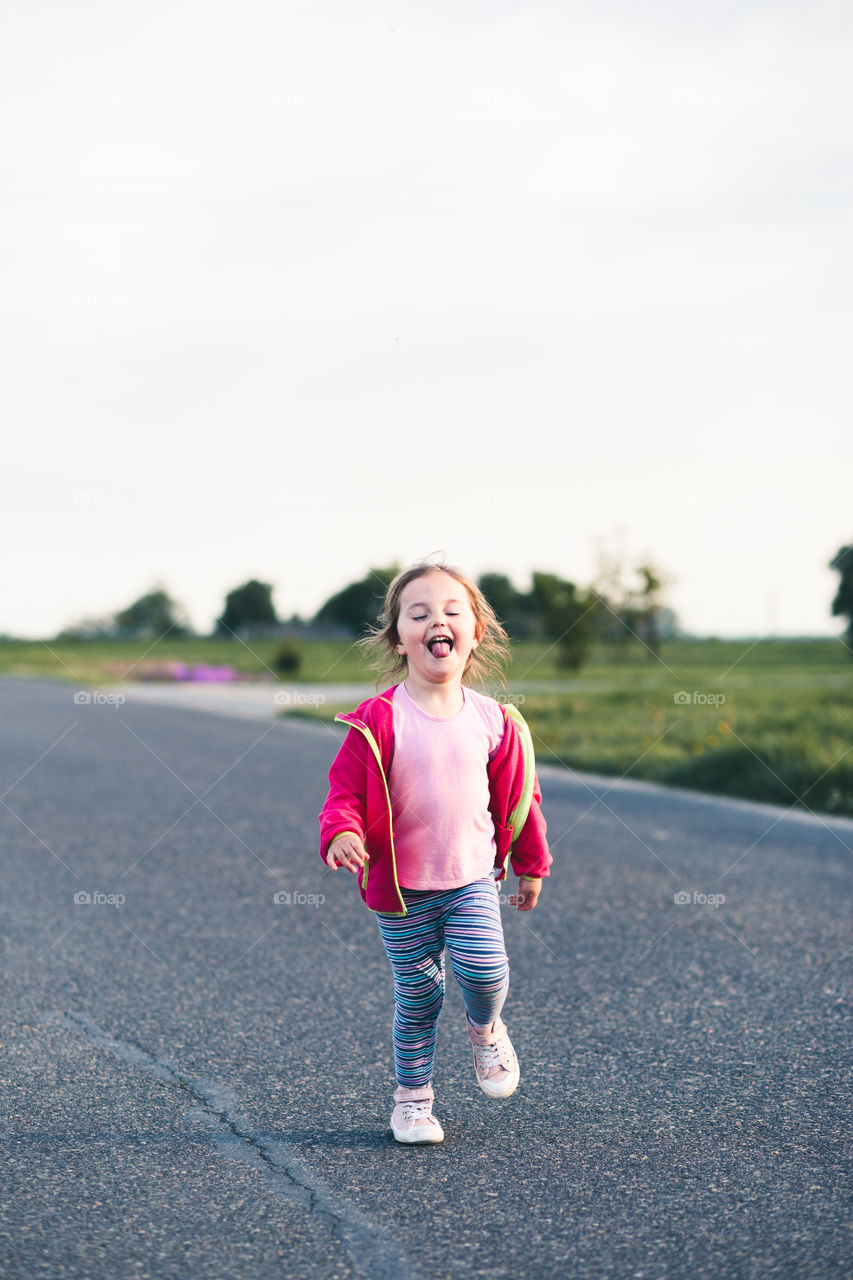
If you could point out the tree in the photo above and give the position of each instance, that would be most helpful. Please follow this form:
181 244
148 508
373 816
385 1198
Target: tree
506 600
615 620
153 614
357 606
631 607
566 616
247 606
842 605
647 603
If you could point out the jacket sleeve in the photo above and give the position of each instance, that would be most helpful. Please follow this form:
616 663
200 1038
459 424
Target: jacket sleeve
530 855
512 778
345 806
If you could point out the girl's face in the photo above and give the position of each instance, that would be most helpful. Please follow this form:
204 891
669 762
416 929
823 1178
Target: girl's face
437 628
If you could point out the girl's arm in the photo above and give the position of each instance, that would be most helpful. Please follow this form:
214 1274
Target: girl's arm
343 813
530 856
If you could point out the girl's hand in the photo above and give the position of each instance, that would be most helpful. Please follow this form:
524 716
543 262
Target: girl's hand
528 894
347 851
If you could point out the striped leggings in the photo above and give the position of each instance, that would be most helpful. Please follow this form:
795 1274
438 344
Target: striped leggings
467 922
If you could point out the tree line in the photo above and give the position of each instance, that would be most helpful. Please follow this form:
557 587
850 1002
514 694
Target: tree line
622 607
554 610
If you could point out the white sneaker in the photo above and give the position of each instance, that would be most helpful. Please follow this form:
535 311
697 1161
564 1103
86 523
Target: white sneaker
412 1119
495 1062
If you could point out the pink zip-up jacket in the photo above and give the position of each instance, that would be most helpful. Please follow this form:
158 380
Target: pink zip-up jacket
359 801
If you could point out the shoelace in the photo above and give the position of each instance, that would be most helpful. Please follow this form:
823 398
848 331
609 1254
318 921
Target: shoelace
414 1111
492 1055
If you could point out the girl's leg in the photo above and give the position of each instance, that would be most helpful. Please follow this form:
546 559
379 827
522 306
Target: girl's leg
474 937
414 945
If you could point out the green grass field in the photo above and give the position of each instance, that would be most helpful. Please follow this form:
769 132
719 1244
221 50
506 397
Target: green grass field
767 721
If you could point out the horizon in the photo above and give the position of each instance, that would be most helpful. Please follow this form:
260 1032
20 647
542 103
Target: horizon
834 626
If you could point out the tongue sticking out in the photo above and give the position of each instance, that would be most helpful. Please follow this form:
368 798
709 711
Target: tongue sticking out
439 648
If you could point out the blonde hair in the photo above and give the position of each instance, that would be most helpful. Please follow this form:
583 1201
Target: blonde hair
485 663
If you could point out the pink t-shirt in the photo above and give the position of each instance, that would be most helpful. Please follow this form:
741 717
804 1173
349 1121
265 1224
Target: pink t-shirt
443 831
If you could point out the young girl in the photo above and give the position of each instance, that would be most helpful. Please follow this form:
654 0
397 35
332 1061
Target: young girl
432 791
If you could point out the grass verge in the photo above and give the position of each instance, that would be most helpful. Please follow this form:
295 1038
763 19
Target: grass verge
766 721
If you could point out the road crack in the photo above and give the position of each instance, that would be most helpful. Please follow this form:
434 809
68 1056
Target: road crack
372 1250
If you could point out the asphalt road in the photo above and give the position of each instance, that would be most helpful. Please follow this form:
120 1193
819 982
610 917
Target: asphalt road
196 1080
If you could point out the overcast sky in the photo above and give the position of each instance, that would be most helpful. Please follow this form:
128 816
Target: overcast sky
293 289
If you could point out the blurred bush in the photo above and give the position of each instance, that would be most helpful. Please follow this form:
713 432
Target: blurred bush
287 659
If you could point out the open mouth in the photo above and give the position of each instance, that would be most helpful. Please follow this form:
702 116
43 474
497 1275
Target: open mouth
440 646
